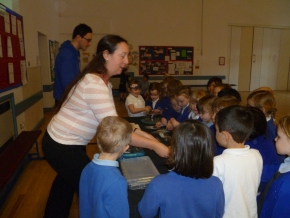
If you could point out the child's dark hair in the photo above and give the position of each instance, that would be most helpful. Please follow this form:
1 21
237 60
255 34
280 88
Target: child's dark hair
158 87
236 120
260 123
229 92
134 84
214 79
146 76
192 150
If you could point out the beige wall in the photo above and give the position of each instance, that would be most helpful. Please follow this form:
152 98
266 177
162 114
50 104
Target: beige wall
203 24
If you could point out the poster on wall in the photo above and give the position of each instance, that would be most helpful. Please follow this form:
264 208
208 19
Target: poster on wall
52 59
12 55
160 60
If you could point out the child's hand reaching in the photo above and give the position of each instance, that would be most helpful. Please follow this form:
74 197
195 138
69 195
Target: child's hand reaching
147 109
169 126
156 111
158 124
163 122
174 122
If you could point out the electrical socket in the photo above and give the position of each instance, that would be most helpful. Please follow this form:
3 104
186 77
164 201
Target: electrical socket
22 125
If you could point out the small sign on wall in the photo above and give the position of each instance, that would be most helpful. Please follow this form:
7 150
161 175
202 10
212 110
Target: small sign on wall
222 60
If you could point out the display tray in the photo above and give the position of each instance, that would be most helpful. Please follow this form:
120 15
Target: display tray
133 152
150 121
138 171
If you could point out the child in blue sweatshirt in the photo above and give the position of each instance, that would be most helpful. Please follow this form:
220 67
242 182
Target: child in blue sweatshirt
189 190
103 189
274 200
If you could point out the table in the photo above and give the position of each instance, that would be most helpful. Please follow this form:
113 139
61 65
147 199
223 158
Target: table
134 196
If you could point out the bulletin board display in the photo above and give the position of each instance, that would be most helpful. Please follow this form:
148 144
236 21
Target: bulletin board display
52 59
172 60
12 53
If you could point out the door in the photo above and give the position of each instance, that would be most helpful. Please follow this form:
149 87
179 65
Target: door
240 57
265 62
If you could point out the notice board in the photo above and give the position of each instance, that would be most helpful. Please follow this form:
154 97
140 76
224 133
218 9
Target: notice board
12 54
172 60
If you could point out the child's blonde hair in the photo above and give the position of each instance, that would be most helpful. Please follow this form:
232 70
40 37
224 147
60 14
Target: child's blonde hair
223 102
113 134
183 90
205 103
223 85
264 100
284 123
264 88
196 95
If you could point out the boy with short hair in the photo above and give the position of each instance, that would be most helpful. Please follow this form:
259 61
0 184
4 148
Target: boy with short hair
238 167
103 189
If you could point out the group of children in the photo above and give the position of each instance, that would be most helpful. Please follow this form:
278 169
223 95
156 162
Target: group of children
223 159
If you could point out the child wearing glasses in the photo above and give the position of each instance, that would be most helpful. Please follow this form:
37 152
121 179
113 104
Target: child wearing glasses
135 103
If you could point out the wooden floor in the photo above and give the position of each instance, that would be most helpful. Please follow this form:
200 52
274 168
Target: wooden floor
29 195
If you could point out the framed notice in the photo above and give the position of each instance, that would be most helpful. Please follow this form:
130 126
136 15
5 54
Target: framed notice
222 60
160 60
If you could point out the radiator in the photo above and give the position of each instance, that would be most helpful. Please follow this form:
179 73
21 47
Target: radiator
6 122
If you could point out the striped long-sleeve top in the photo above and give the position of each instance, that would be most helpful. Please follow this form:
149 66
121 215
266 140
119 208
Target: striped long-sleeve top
77 121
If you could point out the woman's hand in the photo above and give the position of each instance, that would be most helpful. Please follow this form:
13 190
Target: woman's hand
152 144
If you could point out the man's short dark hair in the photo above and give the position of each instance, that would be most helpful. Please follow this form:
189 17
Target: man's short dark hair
192 150
82 30
236 120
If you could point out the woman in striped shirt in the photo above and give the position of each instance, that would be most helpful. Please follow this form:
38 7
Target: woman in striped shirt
86 101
